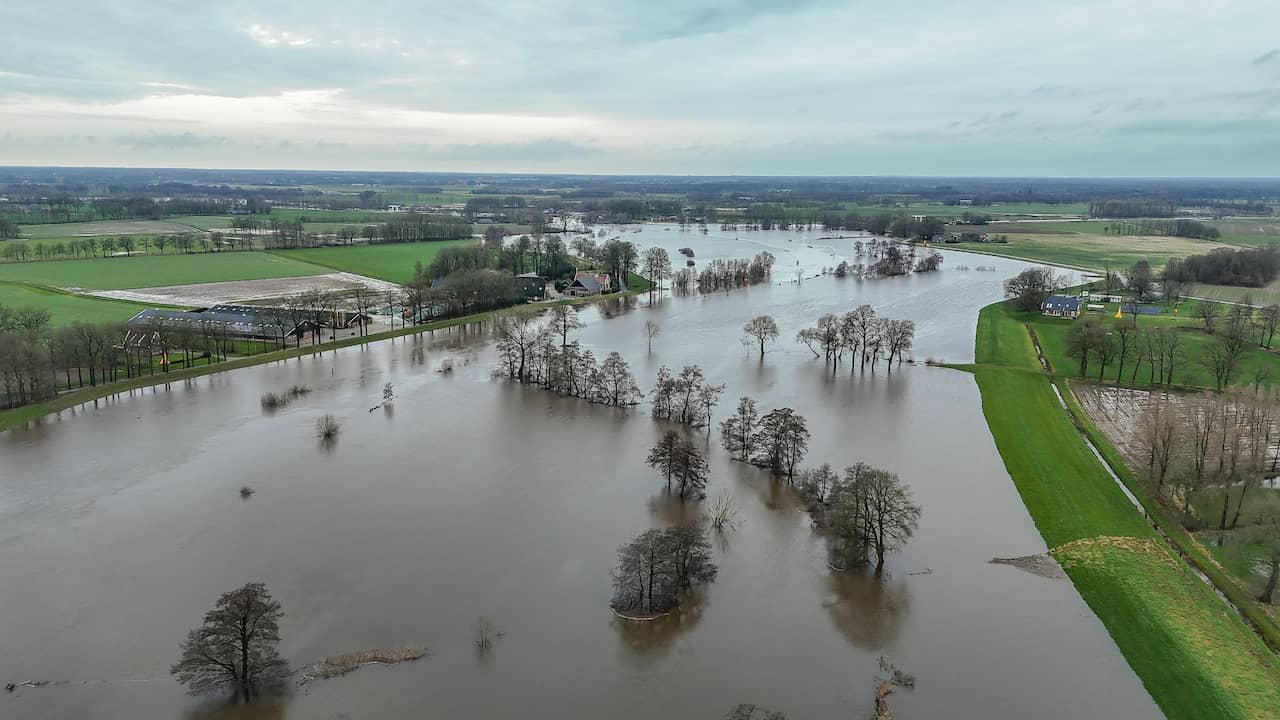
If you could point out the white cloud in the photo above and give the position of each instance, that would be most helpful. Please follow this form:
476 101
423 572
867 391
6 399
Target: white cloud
269 37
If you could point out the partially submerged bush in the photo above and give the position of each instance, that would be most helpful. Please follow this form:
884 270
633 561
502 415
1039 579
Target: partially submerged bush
327 427
275 401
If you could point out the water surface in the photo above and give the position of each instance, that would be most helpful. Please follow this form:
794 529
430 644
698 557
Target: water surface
121 522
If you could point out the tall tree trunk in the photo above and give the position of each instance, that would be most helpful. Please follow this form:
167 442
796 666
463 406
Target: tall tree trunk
1272 578
1235 519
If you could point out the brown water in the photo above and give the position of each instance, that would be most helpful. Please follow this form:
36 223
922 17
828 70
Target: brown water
120 523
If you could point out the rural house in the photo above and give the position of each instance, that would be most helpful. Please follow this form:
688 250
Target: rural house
533 285
1061 306
588 283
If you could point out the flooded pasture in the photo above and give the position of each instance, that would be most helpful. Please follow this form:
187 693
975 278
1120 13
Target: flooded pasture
121 522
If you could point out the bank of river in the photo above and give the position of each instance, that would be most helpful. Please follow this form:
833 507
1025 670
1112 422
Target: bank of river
1195 655
121 523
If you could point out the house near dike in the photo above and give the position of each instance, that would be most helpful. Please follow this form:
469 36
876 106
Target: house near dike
588 283
1061 306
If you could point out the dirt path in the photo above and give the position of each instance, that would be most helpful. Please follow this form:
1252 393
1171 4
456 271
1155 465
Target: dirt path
240 291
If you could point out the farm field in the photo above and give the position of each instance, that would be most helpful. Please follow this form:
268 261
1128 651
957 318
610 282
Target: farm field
106 227
65 307
1262 231
204 222
1266 295
1084 250
391 262
154 270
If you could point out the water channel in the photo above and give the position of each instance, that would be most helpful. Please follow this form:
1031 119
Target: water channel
121 523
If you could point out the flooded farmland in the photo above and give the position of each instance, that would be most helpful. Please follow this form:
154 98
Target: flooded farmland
121 523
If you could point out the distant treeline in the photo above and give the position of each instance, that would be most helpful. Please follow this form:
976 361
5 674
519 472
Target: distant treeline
1252 267
1132 208
409 227
1228 207
1182 228
64 209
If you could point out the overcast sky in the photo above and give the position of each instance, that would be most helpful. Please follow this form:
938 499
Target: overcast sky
1131 87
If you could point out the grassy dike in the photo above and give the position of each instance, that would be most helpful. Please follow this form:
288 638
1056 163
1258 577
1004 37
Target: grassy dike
17 417
1191 651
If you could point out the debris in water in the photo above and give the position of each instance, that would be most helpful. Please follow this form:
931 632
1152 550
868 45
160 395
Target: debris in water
340 665
1042 565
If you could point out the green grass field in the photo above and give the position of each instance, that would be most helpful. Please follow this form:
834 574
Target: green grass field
1188 371
1228 293
1195 657
391 262
156 270
1262 231
66 308
106 227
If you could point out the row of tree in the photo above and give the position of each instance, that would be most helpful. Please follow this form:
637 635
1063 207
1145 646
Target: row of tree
528 352
861 334
1246 267
777 440
1185 444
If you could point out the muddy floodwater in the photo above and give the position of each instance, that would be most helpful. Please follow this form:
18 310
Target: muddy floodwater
121 522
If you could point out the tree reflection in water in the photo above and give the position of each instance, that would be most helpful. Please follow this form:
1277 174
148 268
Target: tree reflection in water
668 509
273 709
646 642
868 609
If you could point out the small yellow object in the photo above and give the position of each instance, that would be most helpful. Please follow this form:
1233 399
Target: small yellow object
1119 315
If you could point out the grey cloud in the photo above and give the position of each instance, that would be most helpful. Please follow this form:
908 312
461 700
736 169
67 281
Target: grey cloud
1266 57
545 150
171 141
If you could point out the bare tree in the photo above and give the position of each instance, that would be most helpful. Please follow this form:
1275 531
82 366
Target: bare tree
1208 312
658 565
1160 436
655 265
564 320
783 439
763 329
1260 545
1220 358
651 331
678 459
235 648
738 431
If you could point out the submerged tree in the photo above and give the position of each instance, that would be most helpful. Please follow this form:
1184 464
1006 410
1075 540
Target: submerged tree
761 329
235 648
679 460
651 331
655 567
738 431
783 438
870 513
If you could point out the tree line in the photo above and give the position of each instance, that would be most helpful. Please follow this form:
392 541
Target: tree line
402 228
1132 208
1246 267
107 246
1099 343
36 359
528 352
1231 442
866 513
862 335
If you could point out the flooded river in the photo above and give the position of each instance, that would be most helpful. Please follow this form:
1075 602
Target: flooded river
121 523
